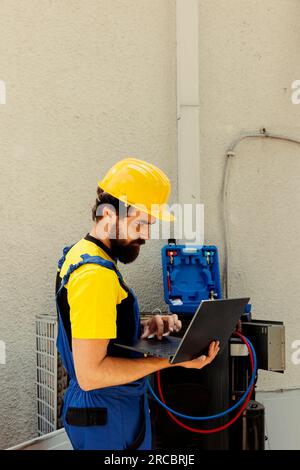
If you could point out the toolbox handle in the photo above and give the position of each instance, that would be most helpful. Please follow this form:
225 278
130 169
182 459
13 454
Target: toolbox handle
189 250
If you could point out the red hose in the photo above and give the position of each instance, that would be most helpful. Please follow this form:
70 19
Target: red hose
220 428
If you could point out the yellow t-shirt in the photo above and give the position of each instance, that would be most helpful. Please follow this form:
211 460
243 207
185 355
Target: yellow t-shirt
93 293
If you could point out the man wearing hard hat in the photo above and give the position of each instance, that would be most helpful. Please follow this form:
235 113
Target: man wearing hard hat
105 405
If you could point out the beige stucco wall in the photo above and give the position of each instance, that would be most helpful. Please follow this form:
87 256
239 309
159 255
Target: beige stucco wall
87 83
249 56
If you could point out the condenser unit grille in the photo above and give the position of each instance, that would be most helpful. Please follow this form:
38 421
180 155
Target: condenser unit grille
52 378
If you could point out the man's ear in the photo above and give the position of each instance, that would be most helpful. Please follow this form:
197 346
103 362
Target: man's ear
106 210
107 221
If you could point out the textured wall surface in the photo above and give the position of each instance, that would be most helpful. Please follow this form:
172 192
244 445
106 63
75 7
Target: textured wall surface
282 417
87 83
249 56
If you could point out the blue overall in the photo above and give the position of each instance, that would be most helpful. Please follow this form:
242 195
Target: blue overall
111 418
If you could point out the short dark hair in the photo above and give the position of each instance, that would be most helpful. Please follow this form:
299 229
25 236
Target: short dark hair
106 198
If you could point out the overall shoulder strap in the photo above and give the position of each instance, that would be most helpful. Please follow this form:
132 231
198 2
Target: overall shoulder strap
88 259
62 259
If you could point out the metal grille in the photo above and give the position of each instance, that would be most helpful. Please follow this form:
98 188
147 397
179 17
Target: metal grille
52 378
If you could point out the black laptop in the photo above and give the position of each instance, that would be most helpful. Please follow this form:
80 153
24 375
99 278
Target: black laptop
214 320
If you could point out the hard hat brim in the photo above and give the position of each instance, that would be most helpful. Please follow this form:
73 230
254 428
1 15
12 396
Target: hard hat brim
165 216
160 212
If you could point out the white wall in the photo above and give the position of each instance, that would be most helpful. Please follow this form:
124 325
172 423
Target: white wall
87 83
249 57
282 419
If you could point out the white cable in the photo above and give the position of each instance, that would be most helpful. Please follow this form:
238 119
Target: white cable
231 153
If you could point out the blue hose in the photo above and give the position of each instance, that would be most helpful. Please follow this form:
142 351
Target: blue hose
222 413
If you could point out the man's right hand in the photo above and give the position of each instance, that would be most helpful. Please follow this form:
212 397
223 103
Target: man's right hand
202 361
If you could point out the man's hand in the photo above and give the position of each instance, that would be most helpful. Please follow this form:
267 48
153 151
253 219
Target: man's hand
160 325
202 361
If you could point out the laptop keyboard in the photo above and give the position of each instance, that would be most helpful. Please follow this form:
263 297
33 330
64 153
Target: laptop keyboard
164 347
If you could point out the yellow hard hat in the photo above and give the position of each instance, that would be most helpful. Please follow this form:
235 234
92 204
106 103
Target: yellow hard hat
139 184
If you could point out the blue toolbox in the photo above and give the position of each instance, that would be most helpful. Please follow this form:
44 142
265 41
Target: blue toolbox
190 274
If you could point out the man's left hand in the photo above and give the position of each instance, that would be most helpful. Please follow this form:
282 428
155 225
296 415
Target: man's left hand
161 325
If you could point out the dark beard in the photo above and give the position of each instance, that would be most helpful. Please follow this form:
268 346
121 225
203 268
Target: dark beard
125 253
